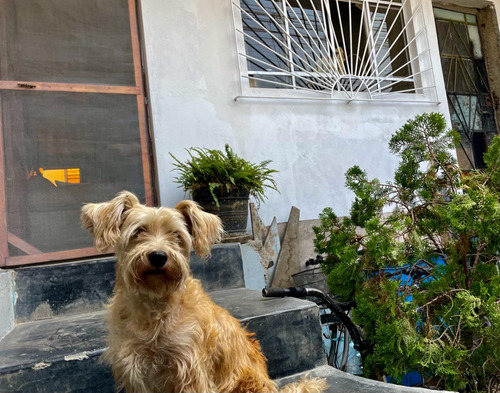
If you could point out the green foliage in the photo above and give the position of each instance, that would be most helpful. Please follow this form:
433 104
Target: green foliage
447 327
223 170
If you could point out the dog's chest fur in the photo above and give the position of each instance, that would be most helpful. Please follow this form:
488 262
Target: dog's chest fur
163 345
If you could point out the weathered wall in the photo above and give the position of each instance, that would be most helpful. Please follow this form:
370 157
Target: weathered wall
193 79
488 27
6 302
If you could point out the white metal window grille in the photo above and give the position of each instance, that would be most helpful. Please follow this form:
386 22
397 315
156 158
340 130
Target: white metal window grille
335 49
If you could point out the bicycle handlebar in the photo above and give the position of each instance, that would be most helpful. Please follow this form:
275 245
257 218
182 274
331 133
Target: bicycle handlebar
302 293
284 292
336 307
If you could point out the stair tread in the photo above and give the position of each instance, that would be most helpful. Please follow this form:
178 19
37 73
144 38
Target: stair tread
37 343
246 304
342 382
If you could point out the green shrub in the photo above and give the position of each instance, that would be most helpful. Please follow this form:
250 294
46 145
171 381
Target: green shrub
447 328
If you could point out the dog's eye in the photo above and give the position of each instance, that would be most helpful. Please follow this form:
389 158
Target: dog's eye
137 232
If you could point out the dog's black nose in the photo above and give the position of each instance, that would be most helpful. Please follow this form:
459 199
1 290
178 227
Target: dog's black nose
157 259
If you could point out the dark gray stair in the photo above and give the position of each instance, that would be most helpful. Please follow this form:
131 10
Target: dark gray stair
85 286
341 382
60 353
61 347
288 329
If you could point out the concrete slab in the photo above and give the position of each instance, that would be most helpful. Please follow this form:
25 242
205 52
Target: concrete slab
85 286
39 344
341 382
223 269
252 268
288 259
7 299
54 339
270 251
259 230
61 289
246 304
288 329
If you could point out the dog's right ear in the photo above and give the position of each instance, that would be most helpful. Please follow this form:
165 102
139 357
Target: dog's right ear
103 220
205 228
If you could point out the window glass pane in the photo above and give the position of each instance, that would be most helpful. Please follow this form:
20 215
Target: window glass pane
471 19
270 81
475 41
390 45
349 36
453 38
68 41
479 147
449 15
263 23
62 150
308 39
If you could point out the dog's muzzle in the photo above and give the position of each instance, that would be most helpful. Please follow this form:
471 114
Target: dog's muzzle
157 259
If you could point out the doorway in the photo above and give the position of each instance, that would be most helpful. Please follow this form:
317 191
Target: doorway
467 87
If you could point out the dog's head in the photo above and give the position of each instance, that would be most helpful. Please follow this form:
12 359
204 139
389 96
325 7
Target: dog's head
152 245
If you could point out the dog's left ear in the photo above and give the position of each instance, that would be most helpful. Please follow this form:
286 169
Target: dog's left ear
103 220
205 228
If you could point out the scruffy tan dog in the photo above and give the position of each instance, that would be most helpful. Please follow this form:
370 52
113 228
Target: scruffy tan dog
165 334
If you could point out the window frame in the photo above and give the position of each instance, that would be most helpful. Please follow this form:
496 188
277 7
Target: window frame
417 51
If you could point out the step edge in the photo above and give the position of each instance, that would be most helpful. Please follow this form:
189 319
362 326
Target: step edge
45 363
325 371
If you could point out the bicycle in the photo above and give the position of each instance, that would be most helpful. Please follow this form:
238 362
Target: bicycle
342 330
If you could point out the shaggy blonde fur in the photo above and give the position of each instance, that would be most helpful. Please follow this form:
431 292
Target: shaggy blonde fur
165 333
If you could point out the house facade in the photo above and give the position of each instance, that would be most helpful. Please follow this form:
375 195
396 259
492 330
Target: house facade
95 95
318 90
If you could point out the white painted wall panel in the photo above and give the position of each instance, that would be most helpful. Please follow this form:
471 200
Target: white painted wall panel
193 78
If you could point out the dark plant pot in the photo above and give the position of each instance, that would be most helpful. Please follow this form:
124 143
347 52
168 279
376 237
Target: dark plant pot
233 210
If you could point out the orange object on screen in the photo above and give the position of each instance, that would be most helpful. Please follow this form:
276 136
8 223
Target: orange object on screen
70 175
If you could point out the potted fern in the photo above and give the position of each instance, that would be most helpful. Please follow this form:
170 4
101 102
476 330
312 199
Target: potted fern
221 182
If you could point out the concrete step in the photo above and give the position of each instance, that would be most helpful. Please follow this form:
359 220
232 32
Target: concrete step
341 382
288 329
55 355
61 354
84 286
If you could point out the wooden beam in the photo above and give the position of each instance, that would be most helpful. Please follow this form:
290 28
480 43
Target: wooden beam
141 111
22 244
68 87
54 256
4 246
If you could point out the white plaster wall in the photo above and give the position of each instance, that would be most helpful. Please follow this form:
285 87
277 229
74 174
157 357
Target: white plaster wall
193 79
6 303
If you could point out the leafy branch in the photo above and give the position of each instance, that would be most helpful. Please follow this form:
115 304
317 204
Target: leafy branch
445 324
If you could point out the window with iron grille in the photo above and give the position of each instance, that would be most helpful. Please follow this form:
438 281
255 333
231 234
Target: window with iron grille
351 49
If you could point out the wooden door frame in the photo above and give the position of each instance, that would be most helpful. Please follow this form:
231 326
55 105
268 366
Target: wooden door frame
35 256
